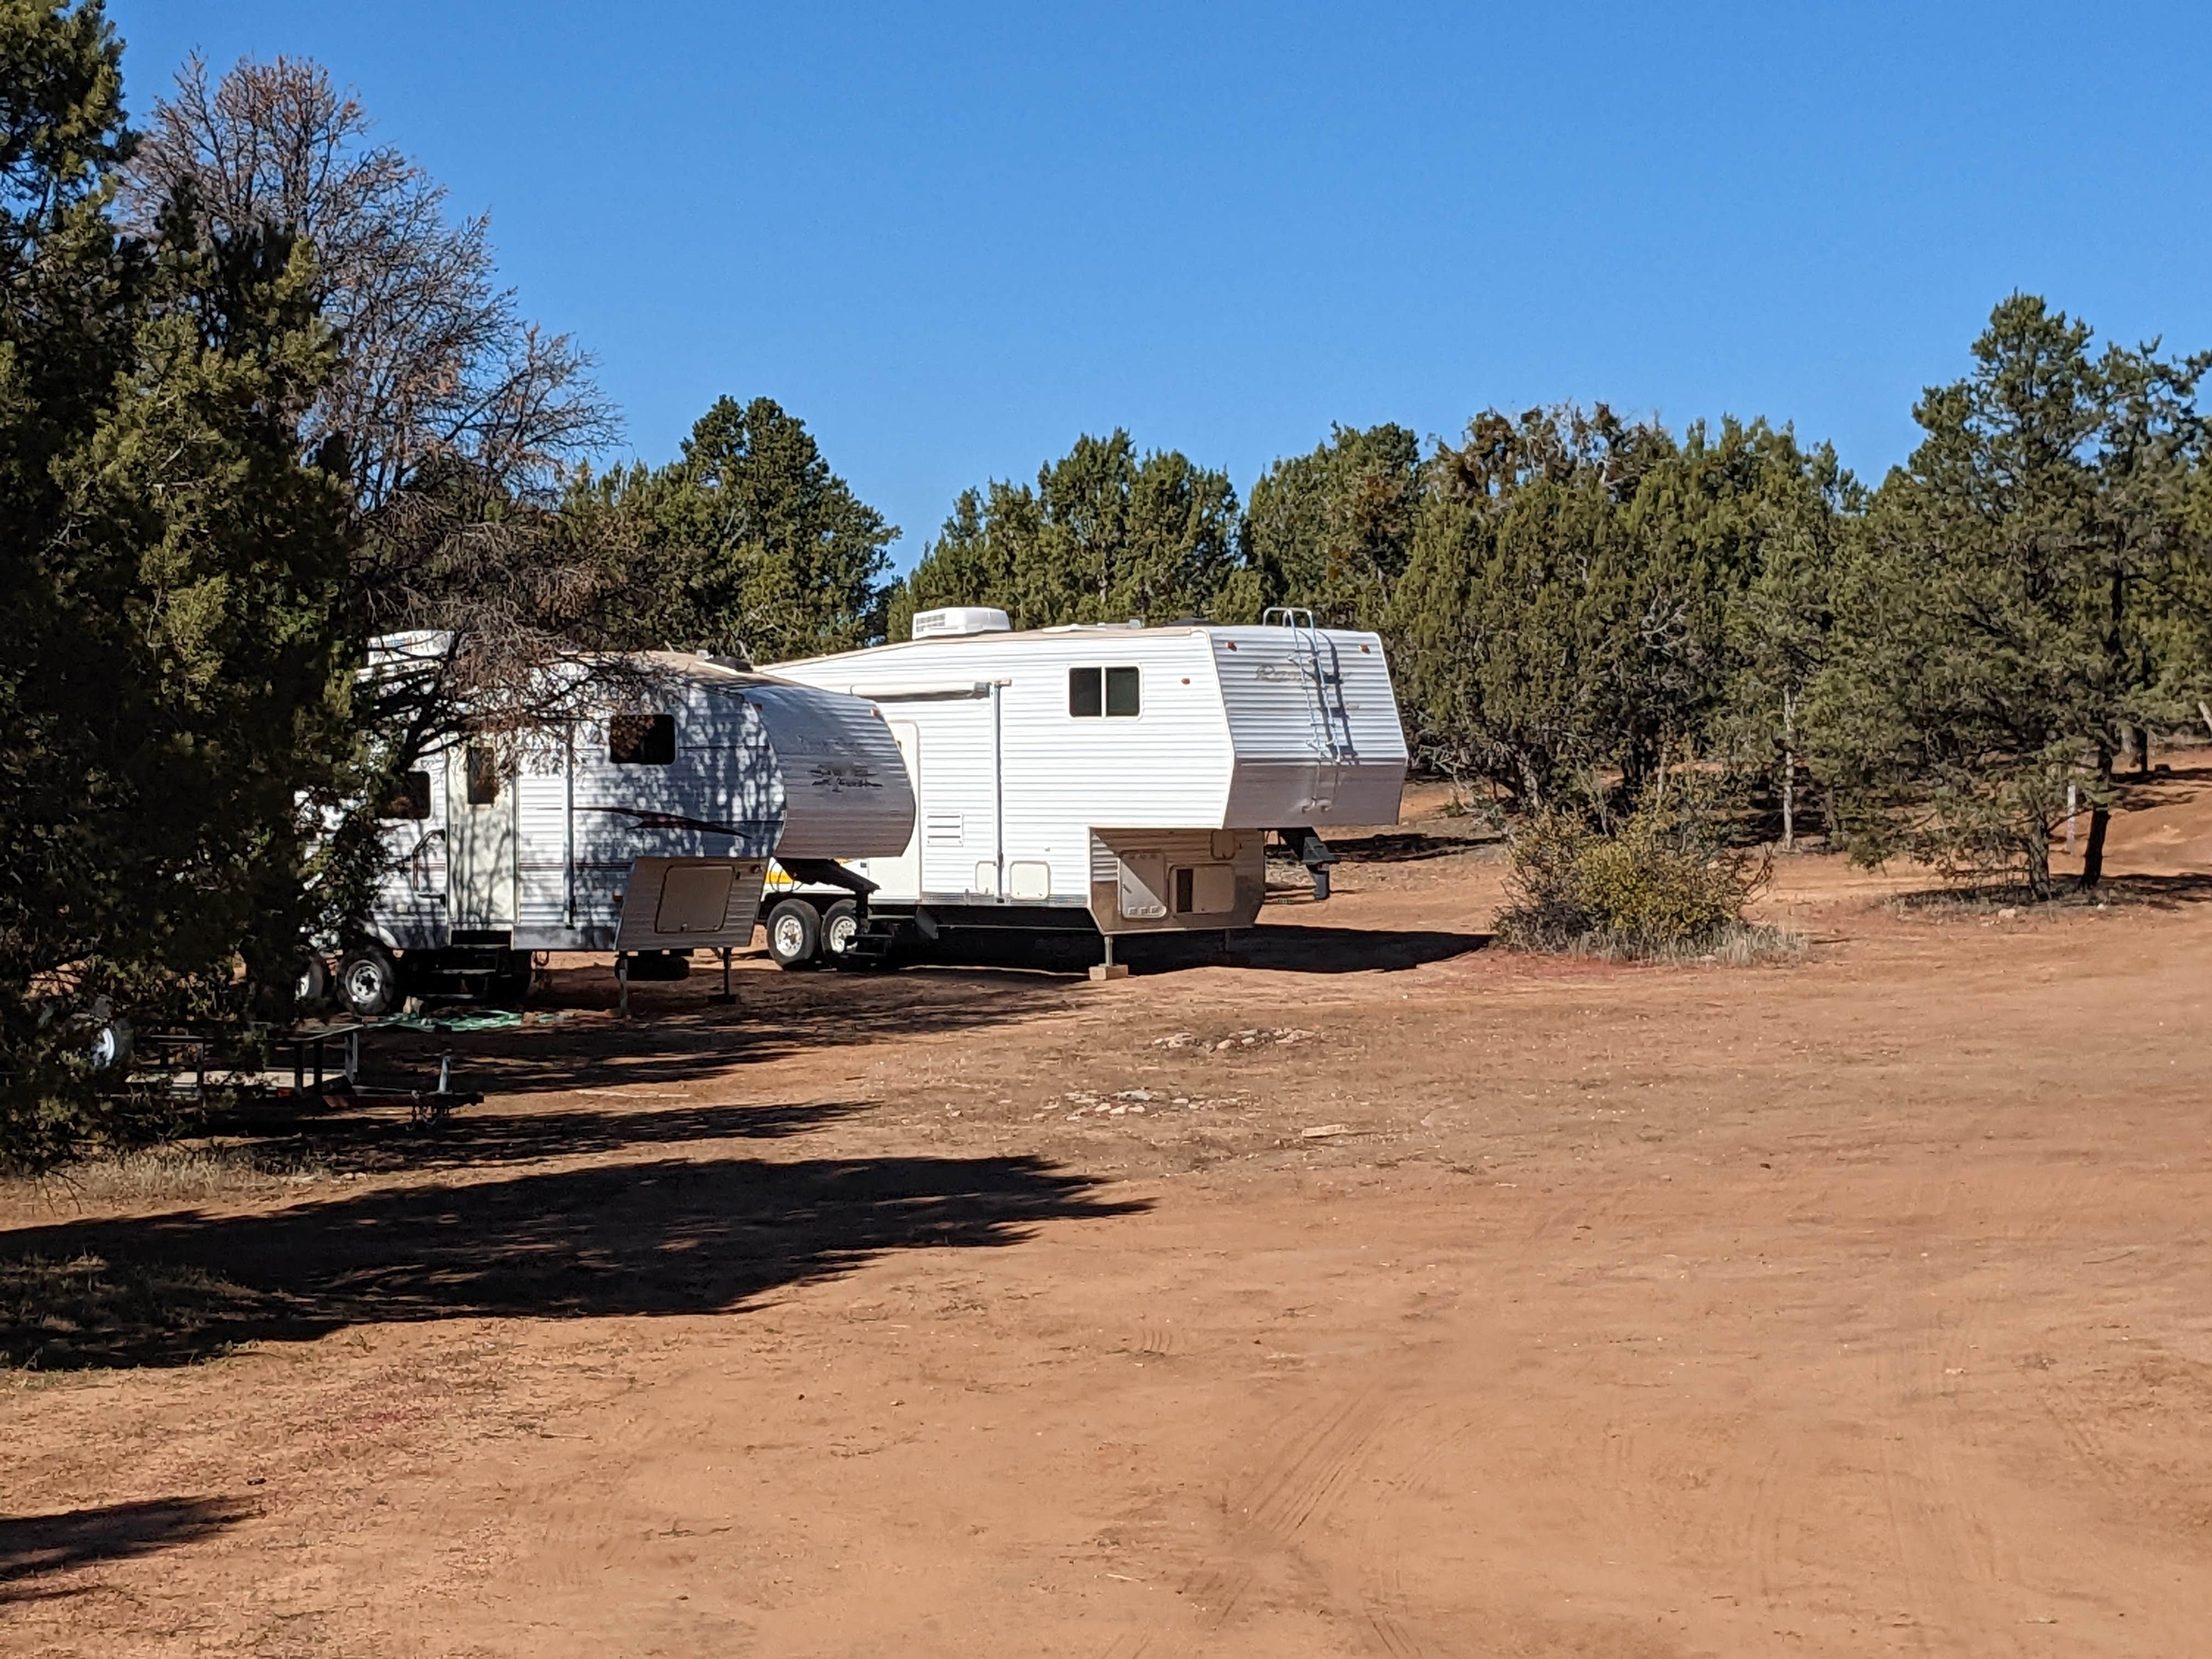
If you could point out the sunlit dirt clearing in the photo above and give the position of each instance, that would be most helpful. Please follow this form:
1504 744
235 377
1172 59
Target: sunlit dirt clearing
1382 1294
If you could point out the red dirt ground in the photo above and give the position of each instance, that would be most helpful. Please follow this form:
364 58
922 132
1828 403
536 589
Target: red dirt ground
1436 1302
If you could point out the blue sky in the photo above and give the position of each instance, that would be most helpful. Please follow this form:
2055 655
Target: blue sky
951 239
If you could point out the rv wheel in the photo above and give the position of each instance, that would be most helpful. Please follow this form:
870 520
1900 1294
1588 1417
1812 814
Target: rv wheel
313 989
368 981
839 923
794 933
111 1045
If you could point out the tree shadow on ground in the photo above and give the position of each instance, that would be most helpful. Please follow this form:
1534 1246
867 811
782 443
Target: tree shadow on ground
1408 846
2159 892
377 1142
1296 948
1285 947
2167 892
31 1545
677 1036
671 1237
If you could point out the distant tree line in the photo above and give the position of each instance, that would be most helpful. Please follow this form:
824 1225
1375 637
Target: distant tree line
1942 667
263 400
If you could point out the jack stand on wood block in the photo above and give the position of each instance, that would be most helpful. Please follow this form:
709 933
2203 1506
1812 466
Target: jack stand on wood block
1110 969
724 996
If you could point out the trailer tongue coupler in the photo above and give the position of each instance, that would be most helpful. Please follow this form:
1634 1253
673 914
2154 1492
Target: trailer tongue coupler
1312 852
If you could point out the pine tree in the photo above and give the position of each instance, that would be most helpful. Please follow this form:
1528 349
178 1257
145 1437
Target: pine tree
1332 531
1104 535
2019 601
750 543
173 669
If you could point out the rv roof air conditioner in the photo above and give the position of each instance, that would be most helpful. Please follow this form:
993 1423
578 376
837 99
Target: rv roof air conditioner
954 619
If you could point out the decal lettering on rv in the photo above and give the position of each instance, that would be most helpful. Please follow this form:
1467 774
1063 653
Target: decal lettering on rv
837 776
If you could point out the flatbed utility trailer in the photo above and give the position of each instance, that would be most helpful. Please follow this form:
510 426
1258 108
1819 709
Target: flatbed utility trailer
646 833
1103 781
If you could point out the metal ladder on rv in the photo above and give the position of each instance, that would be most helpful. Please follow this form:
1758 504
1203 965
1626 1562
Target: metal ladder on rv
1324 721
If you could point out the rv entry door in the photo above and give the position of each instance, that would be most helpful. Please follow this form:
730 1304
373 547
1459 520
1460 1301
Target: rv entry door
899 879
480 837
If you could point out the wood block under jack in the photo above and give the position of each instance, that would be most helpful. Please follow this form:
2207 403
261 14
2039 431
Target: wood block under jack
1103 970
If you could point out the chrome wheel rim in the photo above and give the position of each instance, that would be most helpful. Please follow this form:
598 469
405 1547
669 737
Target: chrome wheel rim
790 936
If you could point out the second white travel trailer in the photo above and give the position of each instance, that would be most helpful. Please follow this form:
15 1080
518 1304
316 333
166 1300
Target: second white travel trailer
647 833
1108 780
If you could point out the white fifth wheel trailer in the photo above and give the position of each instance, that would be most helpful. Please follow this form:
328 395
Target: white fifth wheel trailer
647 833
1108 780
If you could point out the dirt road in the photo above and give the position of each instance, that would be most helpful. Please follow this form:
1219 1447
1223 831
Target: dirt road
1387 1295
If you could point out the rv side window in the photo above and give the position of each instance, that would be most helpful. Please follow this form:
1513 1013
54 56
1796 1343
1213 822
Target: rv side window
411 799
483 776
1093 691
641 739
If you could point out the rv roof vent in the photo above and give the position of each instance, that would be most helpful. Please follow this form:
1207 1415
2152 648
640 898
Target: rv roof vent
960 619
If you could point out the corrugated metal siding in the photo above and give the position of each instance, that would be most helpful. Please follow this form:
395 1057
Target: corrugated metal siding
742 749
541 849
1168 766
958 804
845 789
409 910
722 797
1281 728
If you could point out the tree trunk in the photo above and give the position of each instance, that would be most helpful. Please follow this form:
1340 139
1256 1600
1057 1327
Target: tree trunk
2039 867
2139 744
1789 774
2092 857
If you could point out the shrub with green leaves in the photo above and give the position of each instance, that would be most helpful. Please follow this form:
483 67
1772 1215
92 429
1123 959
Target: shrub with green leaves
1655 884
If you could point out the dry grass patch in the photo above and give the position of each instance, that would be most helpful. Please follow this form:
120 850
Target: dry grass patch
193 1173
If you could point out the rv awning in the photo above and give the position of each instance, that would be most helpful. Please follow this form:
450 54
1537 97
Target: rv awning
924 693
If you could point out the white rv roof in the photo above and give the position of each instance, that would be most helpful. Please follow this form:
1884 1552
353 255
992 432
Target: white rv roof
1061 632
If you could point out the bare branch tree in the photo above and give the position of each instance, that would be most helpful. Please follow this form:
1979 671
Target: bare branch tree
458 419
437 368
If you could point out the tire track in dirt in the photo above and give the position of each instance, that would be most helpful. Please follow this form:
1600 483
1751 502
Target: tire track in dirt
1311 1468
1952 1556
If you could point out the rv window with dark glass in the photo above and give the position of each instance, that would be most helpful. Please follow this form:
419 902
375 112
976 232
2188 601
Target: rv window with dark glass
411 799
1121 691
483 776
641 739
1084 695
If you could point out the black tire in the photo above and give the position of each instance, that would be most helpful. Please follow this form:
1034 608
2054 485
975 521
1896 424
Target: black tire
311 992
839 923
794 934
368 981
